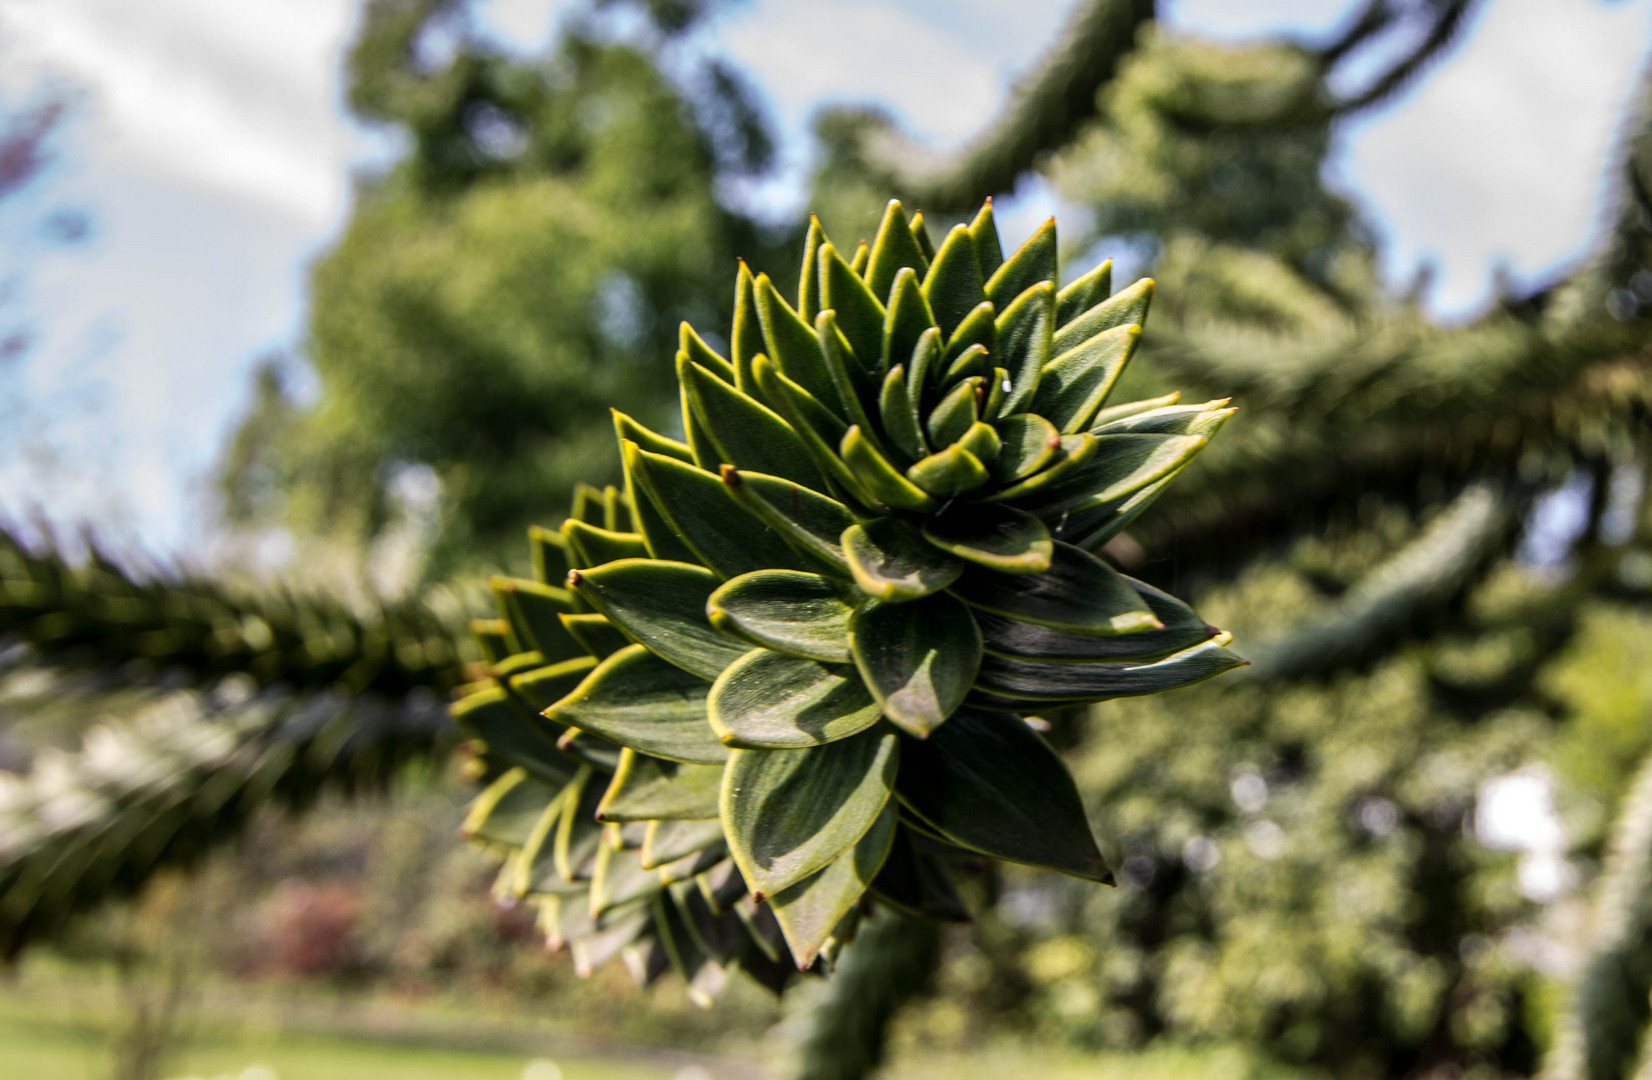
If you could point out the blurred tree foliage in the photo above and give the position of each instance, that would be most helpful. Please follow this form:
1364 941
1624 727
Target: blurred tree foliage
1301 866
522 268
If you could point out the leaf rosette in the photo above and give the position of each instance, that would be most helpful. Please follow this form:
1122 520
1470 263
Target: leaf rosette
820 619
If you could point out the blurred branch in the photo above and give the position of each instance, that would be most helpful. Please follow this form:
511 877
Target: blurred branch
1046 109
1448 18
99 616
1424 575
181 778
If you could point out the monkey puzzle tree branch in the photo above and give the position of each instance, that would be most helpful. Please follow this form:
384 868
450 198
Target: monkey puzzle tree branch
181 778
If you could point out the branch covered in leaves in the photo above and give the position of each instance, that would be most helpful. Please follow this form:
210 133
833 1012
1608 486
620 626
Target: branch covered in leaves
183 776
100 616
1046 109
1434 567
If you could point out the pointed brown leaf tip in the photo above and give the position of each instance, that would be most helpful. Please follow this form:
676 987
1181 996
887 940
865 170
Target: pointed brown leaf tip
730 475
1109 880
757 897
574 578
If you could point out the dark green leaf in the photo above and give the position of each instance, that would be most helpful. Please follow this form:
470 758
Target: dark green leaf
1071 455
892 562
909 316
801 614
989 253
746 342
787 813
595 633
874 474
627 428
593 546
721 533
1074 384
1029 443
543 686
892 250
815 424
1114 413
987 781
1043 681
1024 343
983 442
662 605
669 840
792 343
957 411
974 361
980 327
578 834
1078 592
916 882
697 351
748 435
949 472
774 701
1204 420
535 613
617 879
650 789
811 910
661 539
507 810
900 415
812 523
1120 465
1127 306
953 285
512 734
859 311
852 382
996 537
808 282
918 658
920 233
924 368
1077 297
1033 263
549 551
1029 641
638 700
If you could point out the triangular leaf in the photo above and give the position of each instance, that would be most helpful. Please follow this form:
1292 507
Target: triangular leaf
949 472
811 910
892 562
815 423
770 700
650 789
669 840
859 311
662 605
989 252
638 700
788 813
792 343
899 414
812 523
1120 465
909 316
800 614
748 435
1078 592
1043 681
893 249
1074 384
875 474
1033 263
718 530
595 633
1127 306
697 351
1029 443
627 428
1077 297
987 781
953 285
918 658
593 546
746 340
1024 343
997 537
957 411
808 282
1183 629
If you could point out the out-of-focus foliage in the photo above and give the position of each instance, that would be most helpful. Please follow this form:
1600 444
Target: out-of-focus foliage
508 281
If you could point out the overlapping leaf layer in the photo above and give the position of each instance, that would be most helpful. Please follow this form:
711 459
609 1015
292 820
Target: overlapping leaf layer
790 665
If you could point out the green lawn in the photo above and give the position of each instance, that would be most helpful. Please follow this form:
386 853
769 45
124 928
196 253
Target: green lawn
38 1042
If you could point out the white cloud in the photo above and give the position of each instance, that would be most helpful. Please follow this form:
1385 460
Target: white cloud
1499 154
238 98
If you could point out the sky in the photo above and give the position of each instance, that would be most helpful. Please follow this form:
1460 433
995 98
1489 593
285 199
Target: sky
209 150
